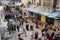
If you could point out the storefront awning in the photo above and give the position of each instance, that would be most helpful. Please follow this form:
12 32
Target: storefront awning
54 15
32 10
35 10
44 13
58 16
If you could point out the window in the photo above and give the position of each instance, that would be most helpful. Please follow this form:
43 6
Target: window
54 5
47 3
20 0
33 1
39 17
49 20
39 2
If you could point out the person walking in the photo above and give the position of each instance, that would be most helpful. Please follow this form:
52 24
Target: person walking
10 27
18 26
39 39
48 37
31 27
44 30
19 37
53 35
36 35
27 26
24 31
22 21
32 37
14 28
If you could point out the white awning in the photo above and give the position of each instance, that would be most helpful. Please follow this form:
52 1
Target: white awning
54 15
35 10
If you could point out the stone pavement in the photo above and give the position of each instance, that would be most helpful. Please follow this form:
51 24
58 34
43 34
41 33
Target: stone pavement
29 33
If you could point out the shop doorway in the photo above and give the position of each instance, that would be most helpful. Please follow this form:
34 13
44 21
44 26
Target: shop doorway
50 20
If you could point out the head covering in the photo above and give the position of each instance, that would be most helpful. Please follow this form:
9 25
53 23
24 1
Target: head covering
19 35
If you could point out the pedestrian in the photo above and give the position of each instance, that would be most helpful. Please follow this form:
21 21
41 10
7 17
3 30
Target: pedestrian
48 37
10 27
52 35
39 39
27 26
24 30
36 24
36 35
19 37
32 37
14 28
44 30
31 27
22 21
13 25
18 26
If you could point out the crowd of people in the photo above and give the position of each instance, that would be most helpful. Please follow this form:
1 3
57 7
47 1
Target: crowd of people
50 35
15 21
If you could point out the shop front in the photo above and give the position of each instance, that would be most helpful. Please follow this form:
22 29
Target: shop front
50 20
57 23
58 20
53 19
43 18
35 17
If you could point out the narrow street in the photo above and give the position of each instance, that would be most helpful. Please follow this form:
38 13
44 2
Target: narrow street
29 19
29 33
